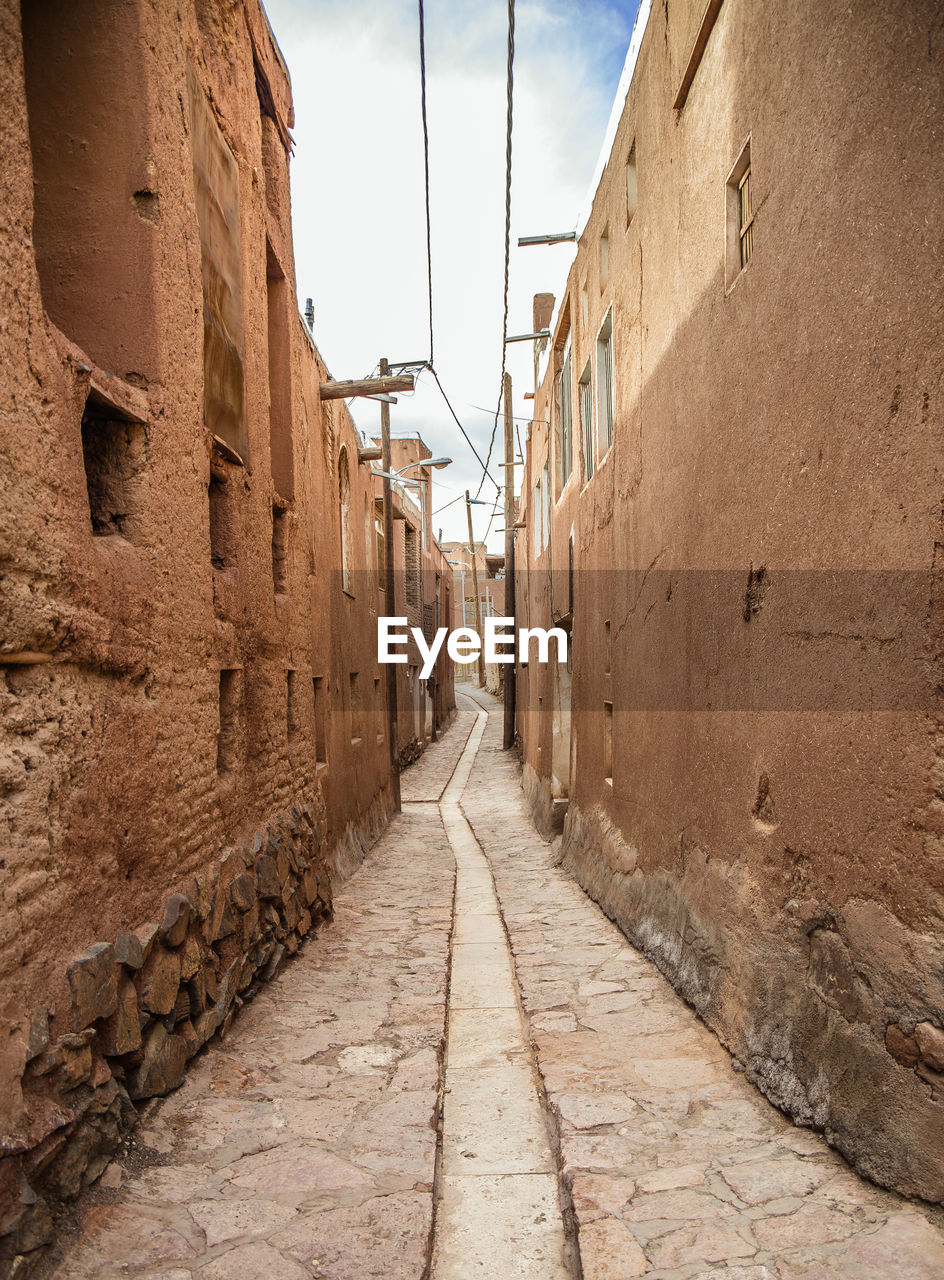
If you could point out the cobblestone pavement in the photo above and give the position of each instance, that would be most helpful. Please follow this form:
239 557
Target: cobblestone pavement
428 777
677 1167
304 1145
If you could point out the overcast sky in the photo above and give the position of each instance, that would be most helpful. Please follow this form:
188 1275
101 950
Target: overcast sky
357 193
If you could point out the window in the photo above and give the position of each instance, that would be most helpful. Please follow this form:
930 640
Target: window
227 738
565 416
631 184
114 452
607 651
739 217
411 560
608 743
279 550
605 384
745 217
379 535
319 691
344 496
604 257
586 421
280 377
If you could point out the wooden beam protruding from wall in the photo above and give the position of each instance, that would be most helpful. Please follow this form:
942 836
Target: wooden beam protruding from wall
366 387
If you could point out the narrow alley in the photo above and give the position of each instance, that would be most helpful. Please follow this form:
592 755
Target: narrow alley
471 640
401 1101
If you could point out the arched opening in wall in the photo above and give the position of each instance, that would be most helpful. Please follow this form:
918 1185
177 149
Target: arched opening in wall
280 377
96 207
344 497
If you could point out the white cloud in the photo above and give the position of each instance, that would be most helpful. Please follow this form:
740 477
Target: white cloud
357 190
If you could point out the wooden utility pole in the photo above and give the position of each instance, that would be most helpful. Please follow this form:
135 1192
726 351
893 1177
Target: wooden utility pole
510 669
390 599
475 588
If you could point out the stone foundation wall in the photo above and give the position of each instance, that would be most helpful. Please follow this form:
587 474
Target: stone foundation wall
813 1013
144 1003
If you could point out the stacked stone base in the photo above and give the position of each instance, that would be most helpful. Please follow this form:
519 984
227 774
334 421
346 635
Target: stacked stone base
144 1004
812 1005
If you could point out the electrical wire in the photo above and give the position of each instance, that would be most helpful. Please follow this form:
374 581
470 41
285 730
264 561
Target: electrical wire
509 93
515 418
468 438
429 242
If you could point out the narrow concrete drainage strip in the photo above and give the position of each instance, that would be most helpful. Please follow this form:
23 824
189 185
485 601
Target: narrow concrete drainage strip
498 1212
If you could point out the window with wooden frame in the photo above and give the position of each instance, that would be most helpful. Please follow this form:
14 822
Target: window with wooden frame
605 388
739 217
745 217
565 417
586 421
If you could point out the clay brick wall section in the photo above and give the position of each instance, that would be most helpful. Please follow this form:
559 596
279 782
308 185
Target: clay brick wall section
779 857
179 784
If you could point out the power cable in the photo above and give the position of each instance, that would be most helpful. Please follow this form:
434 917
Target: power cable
429 243
509 93
483 465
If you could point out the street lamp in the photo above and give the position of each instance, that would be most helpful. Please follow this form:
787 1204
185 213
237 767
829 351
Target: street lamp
438 463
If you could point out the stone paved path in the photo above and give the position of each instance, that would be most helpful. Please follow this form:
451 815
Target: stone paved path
305 1145
428 777
677 1167
498 1207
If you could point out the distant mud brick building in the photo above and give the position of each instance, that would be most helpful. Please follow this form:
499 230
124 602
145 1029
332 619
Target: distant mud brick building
423 587
190 590
736 508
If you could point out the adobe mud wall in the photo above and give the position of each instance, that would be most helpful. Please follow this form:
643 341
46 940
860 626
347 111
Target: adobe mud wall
753 778
181 667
